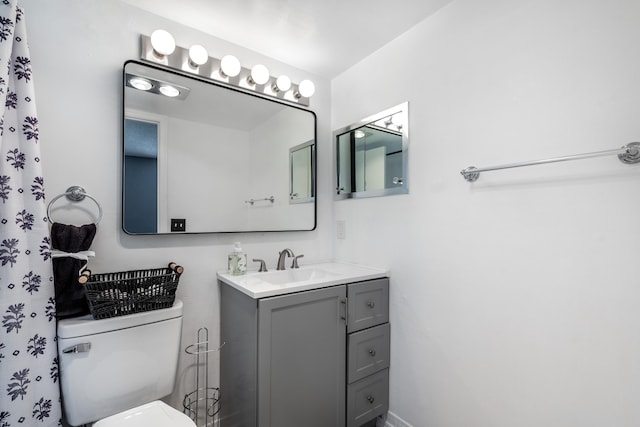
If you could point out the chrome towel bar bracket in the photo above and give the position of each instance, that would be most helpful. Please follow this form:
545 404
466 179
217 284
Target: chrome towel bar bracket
628 154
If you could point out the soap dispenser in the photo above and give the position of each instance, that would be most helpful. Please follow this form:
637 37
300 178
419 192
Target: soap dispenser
237 261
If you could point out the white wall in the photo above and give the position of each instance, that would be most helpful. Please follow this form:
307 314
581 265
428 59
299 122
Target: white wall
270 171
78 48
515 301
203 167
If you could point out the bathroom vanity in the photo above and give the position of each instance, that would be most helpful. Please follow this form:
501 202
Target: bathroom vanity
304 347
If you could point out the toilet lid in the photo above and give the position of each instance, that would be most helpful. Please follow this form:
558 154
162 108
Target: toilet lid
154 414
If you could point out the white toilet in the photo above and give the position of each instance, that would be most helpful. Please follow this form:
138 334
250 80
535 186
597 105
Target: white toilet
112 371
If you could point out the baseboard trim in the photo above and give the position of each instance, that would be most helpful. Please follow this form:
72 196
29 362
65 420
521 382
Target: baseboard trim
395 421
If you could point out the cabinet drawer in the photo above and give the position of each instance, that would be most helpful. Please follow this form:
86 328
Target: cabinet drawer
368 352
368 304
367 398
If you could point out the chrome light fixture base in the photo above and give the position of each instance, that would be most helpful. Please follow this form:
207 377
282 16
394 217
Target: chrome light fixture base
211 70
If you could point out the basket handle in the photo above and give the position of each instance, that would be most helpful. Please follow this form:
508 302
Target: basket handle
175 267
86 273
84 276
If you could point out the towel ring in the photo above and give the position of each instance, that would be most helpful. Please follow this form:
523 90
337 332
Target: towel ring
75 194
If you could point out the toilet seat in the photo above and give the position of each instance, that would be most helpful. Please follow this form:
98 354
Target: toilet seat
154 414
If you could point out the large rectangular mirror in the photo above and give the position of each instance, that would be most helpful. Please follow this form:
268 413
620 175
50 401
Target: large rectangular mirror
211 158
372 155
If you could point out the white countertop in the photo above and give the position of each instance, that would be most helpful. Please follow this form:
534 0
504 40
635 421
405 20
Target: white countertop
272 283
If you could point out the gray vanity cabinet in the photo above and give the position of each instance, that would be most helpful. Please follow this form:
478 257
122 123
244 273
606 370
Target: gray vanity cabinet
316 358
282 364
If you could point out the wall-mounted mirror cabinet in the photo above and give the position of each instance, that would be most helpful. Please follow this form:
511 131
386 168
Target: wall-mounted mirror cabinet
213 159
372 155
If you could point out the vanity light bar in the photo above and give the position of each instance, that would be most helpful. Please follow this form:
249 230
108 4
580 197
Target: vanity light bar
256 80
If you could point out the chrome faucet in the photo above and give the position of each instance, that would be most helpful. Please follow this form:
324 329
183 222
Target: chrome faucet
282 256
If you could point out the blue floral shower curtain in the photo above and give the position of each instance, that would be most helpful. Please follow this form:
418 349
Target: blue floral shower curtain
29 392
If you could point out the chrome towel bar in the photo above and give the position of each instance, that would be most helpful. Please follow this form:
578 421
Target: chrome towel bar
628 154
266 199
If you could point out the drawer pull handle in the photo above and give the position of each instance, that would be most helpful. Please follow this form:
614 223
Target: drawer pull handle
371 399
371 304
372 352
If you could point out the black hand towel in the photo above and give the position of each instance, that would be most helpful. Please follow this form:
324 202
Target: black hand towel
70 295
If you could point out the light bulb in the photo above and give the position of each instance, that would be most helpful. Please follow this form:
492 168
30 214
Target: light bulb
283 83
359 134
198 55
306 88
169 91
140 83
162 43
229 66
396 119
259 75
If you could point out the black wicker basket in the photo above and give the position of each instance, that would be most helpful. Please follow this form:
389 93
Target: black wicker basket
128 292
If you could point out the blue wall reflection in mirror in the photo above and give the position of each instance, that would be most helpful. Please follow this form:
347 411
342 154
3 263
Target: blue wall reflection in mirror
141 173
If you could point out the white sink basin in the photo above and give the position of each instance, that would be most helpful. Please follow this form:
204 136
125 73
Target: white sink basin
272 283
295 275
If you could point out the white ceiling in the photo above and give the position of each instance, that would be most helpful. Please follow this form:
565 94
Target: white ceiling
324 37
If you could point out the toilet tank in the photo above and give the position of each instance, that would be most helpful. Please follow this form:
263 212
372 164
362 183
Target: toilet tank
110 365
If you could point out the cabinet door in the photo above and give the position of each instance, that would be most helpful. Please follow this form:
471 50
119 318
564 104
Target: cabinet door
301 366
